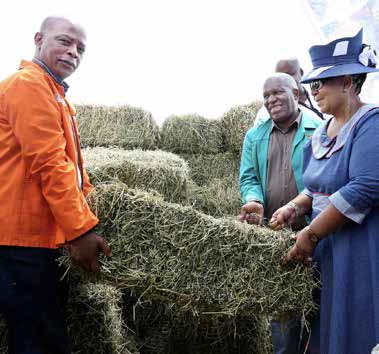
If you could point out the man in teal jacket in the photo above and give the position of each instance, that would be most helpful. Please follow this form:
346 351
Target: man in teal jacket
271 173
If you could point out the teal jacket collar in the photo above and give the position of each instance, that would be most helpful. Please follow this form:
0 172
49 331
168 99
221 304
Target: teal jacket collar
253 166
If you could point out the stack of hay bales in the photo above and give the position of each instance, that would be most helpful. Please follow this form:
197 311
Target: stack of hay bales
213 171
202 276
126 127
198 284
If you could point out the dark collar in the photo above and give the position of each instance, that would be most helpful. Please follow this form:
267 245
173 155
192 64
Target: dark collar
56 78
295 123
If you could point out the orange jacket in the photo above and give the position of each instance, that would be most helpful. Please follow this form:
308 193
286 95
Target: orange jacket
42 198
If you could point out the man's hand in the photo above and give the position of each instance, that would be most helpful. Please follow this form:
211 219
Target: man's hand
252 213
282 217
84 251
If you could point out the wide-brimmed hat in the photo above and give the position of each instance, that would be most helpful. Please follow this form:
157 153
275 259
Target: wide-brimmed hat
343 56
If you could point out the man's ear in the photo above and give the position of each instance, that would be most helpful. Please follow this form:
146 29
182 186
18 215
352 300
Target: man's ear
296 93
38 39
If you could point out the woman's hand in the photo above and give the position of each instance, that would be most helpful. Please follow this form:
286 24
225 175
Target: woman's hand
303 248
283 216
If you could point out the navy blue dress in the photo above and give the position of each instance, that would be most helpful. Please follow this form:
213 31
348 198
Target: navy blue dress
345 172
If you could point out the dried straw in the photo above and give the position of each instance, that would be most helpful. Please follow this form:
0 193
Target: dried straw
124 126
236 122
205 167
220 197
191 134
95 322
157 170
175 255
161 331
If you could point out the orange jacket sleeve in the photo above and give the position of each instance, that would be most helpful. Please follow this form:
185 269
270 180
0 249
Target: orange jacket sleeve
36 119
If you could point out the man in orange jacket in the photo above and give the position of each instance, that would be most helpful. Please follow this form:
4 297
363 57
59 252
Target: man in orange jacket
42 191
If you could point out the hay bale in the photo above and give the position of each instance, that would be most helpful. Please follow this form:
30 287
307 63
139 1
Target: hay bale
95 320
162 331
236 122
173 254
206 167
191 134
157 170
220 197
124 126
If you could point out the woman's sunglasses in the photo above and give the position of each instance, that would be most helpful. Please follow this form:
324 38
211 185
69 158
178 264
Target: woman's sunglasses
317 84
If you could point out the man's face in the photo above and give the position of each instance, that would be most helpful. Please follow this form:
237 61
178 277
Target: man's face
61 47
280 100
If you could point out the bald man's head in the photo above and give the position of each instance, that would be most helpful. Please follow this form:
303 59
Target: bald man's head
290 66
60 45
50 21
281 95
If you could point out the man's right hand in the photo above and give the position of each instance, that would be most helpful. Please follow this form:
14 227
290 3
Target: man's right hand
282 217
85 249
252 213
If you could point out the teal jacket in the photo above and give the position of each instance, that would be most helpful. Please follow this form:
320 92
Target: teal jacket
252 180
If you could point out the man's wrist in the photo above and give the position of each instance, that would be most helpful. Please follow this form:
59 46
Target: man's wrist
253 200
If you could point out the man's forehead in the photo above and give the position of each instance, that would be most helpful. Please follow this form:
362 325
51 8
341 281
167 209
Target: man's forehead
274 82
65 27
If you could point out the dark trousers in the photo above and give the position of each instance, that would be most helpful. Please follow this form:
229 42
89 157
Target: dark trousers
286 336
32 300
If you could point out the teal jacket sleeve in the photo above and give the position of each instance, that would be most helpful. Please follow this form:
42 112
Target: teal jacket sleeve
249 181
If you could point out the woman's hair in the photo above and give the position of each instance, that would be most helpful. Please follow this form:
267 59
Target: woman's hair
358 80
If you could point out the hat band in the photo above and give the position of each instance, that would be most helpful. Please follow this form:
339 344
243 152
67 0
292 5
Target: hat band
334 61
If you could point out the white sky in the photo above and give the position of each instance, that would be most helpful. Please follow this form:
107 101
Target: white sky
168 56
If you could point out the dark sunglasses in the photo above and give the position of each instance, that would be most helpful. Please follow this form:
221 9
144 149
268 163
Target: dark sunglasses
317 84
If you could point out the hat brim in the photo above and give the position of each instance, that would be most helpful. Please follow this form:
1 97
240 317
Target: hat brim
336 70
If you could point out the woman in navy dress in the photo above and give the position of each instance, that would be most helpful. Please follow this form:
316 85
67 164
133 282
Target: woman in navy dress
341 176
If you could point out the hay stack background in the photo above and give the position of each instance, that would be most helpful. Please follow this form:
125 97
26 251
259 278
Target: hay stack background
191 134
161 171
125 126
236 122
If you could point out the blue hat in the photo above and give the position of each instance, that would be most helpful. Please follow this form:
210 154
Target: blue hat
343 56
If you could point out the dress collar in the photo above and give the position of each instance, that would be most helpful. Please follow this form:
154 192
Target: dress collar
323 146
